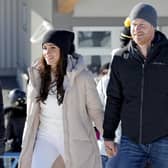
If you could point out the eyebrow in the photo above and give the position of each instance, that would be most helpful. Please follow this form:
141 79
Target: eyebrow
49 44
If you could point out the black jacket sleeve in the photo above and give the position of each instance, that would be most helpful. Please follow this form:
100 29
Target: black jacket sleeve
2 129
114 102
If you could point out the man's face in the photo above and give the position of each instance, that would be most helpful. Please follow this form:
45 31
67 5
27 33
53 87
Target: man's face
142 32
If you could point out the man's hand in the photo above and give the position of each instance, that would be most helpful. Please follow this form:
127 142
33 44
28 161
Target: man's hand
110 147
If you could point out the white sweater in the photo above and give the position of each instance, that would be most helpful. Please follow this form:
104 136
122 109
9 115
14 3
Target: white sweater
51 121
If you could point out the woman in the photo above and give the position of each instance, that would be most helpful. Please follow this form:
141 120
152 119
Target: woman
62 102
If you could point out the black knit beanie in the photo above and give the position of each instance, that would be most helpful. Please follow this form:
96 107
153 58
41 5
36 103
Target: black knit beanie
62 38
144 11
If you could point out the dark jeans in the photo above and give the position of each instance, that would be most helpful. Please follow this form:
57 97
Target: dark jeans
109 162
104 161
133 155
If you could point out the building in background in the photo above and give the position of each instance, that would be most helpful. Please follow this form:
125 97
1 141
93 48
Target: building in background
97 25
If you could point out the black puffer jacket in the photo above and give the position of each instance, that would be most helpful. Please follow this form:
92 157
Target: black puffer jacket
137 93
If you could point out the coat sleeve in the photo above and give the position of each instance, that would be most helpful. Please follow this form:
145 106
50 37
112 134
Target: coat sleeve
93 104
114 102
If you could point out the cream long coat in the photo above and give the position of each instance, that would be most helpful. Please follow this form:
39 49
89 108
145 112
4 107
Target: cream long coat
81 106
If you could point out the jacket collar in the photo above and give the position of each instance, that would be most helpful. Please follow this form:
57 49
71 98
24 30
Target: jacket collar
74 67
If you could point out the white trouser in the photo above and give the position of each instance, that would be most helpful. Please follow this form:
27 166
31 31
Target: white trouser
44 154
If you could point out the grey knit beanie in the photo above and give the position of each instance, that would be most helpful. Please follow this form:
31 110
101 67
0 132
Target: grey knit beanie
144 11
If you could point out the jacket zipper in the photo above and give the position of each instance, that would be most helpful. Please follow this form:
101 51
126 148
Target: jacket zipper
141 105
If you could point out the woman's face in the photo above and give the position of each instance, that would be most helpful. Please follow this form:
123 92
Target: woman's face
51 54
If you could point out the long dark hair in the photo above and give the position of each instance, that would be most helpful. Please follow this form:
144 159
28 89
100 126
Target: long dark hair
45 73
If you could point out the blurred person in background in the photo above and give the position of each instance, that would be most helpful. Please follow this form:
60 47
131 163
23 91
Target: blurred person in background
15 115
102 72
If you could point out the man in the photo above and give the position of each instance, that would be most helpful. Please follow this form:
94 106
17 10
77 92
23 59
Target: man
137 94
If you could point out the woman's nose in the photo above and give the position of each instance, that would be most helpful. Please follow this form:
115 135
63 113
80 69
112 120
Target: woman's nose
48 51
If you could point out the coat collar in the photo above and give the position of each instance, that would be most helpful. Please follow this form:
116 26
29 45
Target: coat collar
158 42
74 67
